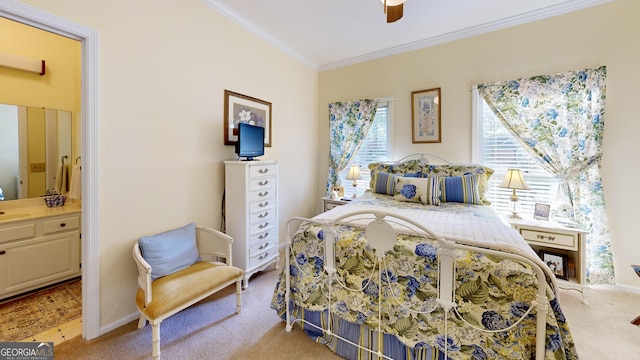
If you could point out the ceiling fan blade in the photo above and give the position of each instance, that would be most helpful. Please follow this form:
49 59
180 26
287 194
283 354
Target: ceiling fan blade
394 13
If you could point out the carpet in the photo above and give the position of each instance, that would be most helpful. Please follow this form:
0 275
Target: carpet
40 310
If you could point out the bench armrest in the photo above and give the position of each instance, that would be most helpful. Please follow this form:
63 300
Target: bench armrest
144 273
214 245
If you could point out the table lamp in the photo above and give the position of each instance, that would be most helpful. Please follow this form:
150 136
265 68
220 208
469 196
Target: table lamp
514 180
354 174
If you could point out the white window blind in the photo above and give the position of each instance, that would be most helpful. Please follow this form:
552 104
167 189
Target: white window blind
498 149
374 148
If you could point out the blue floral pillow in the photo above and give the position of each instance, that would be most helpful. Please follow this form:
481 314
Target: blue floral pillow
422 190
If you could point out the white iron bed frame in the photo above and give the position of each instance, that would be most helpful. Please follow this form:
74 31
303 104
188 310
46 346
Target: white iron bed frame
381 236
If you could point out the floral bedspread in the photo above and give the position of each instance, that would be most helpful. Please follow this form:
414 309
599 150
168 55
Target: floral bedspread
491 293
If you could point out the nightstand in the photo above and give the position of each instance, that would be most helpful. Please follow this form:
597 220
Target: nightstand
329 203
558 241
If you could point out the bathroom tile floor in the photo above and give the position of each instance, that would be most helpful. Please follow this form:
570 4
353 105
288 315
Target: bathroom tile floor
59 333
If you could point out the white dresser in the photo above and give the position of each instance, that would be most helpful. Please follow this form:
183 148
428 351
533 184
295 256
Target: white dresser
251 214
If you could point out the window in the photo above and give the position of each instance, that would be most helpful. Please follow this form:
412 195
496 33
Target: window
376 147
498 149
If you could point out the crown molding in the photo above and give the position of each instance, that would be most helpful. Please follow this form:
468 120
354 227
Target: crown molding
531 16
234 16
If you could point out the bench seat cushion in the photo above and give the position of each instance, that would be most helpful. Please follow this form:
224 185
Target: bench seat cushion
172 291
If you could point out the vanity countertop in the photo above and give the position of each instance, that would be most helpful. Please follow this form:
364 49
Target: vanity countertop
20 210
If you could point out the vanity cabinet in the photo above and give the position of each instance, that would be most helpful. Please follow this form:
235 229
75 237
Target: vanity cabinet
251 214
38 252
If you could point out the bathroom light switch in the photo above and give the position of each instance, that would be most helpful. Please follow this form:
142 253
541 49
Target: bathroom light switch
37 167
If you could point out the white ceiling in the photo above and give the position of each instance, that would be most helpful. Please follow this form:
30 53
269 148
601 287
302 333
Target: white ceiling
328 34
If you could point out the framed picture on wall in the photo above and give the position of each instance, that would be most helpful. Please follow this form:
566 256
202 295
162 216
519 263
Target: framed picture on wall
425 116
242 108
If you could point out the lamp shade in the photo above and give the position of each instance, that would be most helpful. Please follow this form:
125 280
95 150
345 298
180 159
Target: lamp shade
514 180
354 173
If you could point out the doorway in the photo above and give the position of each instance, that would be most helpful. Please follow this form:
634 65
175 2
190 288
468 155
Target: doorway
28 15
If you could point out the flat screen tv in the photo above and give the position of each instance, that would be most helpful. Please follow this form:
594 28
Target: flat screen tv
250 142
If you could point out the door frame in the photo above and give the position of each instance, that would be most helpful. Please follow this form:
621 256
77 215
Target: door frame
88 37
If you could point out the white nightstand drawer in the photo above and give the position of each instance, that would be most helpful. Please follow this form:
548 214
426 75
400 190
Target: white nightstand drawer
566 241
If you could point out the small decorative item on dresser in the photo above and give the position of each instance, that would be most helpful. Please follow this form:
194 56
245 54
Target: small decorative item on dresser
556 262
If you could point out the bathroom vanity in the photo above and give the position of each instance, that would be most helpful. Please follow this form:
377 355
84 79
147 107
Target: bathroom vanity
39 246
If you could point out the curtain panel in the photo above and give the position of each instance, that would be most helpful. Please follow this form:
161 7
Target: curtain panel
349 123
559 119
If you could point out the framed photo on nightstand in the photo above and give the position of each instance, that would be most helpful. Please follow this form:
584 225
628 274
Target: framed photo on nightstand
556 262
541 211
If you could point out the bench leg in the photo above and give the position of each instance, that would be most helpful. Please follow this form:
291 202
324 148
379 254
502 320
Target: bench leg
239 296
142 322
155 340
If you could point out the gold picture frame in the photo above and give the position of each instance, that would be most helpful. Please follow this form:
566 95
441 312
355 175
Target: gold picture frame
426 116
242 108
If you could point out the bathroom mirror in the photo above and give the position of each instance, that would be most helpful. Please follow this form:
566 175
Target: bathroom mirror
34 143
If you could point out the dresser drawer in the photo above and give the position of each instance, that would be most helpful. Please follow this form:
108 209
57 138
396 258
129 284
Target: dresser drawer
18 232
553 239
262 183
257 171
261 194
262 216
261 226
262 246
64 224
262 205
267 234
262 258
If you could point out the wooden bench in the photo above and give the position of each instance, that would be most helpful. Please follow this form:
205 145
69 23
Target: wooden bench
166 295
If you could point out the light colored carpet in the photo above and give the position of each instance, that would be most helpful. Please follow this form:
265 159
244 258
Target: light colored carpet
40 310
212 330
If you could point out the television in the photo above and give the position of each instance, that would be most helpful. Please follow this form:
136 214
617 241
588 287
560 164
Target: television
250 142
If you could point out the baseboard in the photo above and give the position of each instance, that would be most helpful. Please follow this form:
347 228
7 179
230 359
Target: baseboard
120 322
618 287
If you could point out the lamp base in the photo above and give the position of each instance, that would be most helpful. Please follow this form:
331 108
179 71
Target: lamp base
514 216
355 185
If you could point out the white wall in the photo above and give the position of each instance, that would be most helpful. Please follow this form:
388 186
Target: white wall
163 69
601 35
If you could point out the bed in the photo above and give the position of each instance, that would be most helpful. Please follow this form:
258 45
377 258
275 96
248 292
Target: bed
405 272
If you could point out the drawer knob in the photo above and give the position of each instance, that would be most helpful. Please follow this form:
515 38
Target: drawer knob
63 224
263 183
263 215
262 226
262 194
263 204
263 236
263 171
550 238
263 256
3 252
263 246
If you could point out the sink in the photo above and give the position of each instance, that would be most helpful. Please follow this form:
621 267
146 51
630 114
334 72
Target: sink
5 217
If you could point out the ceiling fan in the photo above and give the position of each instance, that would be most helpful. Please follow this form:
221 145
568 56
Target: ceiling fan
393 9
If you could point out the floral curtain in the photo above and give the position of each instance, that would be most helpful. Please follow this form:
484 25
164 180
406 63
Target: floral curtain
560 120
349 123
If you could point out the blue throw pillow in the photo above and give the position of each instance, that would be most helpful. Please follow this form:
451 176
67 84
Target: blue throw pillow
383 183
170 251
461 189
